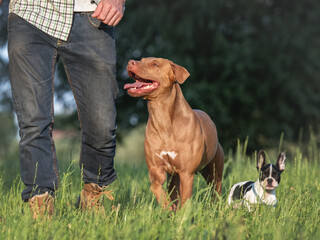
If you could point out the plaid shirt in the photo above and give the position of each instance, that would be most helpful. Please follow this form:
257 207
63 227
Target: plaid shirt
54 17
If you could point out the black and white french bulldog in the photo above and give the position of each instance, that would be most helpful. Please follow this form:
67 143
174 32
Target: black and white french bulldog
263 190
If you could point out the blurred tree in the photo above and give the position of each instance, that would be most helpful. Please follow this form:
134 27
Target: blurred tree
254 63
8 131
4 79
3 22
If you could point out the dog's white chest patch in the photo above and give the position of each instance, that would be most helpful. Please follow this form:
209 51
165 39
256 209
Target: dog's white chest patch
171 154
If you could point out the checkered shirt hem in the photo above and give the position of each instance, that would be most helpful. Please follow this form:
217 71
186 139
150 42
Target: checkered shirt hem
53 17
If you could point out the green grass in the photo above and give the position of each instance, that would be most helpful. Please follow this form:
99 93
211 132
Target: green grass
137 215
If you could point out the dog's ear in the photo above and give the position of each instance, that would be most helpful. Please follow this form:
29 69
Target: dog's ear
281 161
181 74
261 159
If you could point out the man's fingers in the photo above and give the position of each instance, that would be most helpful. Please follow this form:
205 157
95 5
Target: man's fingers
98 10
114 20
108 13
111 15
104 13
116 23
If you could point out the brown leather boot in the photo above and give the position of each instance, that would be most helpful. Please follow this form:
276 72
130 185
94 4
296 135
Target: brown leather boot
41 205
91 197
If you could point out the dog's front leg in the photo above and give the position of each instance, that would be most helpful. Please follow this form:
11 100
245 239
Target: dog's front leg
186 184
157 179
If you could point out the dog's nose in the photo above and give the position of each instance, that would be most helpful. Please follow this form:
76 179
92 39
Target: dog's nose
270 180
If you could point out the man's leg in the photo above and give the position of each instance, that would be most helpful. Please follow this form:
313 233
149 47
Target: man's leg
32 57
90 60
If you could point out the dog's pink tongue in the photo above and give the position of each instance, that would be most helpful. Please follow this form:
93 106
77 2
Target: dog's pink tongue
135 85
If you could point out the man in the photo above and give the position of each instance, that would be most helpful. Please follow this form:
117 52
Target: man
81 33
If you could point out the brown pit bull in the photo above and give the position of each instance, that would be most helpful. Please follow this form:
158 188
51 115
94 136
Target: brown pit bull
179 141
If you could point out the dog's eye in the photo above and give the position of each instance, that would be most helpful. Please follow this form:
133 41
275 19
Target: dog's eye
154 64
275 175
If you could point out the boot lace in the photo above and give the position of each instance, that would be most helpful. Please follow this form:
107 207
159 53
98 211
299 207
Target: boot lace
97 194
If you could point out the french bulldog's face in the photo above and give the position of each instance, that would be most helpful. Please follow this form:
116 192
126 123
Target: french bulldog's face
269 176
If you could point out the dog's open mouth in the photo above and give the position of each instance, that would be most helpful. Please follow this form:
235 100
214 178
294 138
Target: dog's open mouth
141 85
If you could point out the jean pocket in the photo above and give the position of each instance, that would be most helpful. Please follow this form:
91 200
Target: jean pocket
100 25
93 21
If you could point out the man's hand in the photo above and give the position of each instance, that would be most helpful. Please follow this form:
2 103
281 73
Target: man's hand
109 11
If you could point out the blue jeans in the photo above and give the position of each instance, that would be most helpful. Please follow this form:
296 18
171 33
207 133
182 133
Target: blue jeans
89 59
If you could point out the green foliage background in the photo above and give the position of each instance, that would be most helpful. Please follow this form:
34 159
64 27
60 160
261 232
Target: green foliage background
254 64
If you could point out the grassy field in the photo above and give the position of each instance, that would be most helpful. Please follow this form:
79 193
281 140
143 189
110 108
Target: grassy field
136 215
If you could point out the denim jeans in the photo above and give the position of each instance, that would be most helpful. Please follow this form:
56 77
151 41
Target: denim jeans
89 59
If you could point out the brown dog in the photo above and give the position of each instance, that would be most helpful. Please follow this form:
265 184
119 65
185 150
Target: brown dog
179 141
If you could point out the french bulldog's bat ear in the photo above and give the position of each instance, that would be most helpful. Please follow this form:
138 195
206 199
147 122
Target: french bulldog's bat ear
181 74
261 159
281 161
